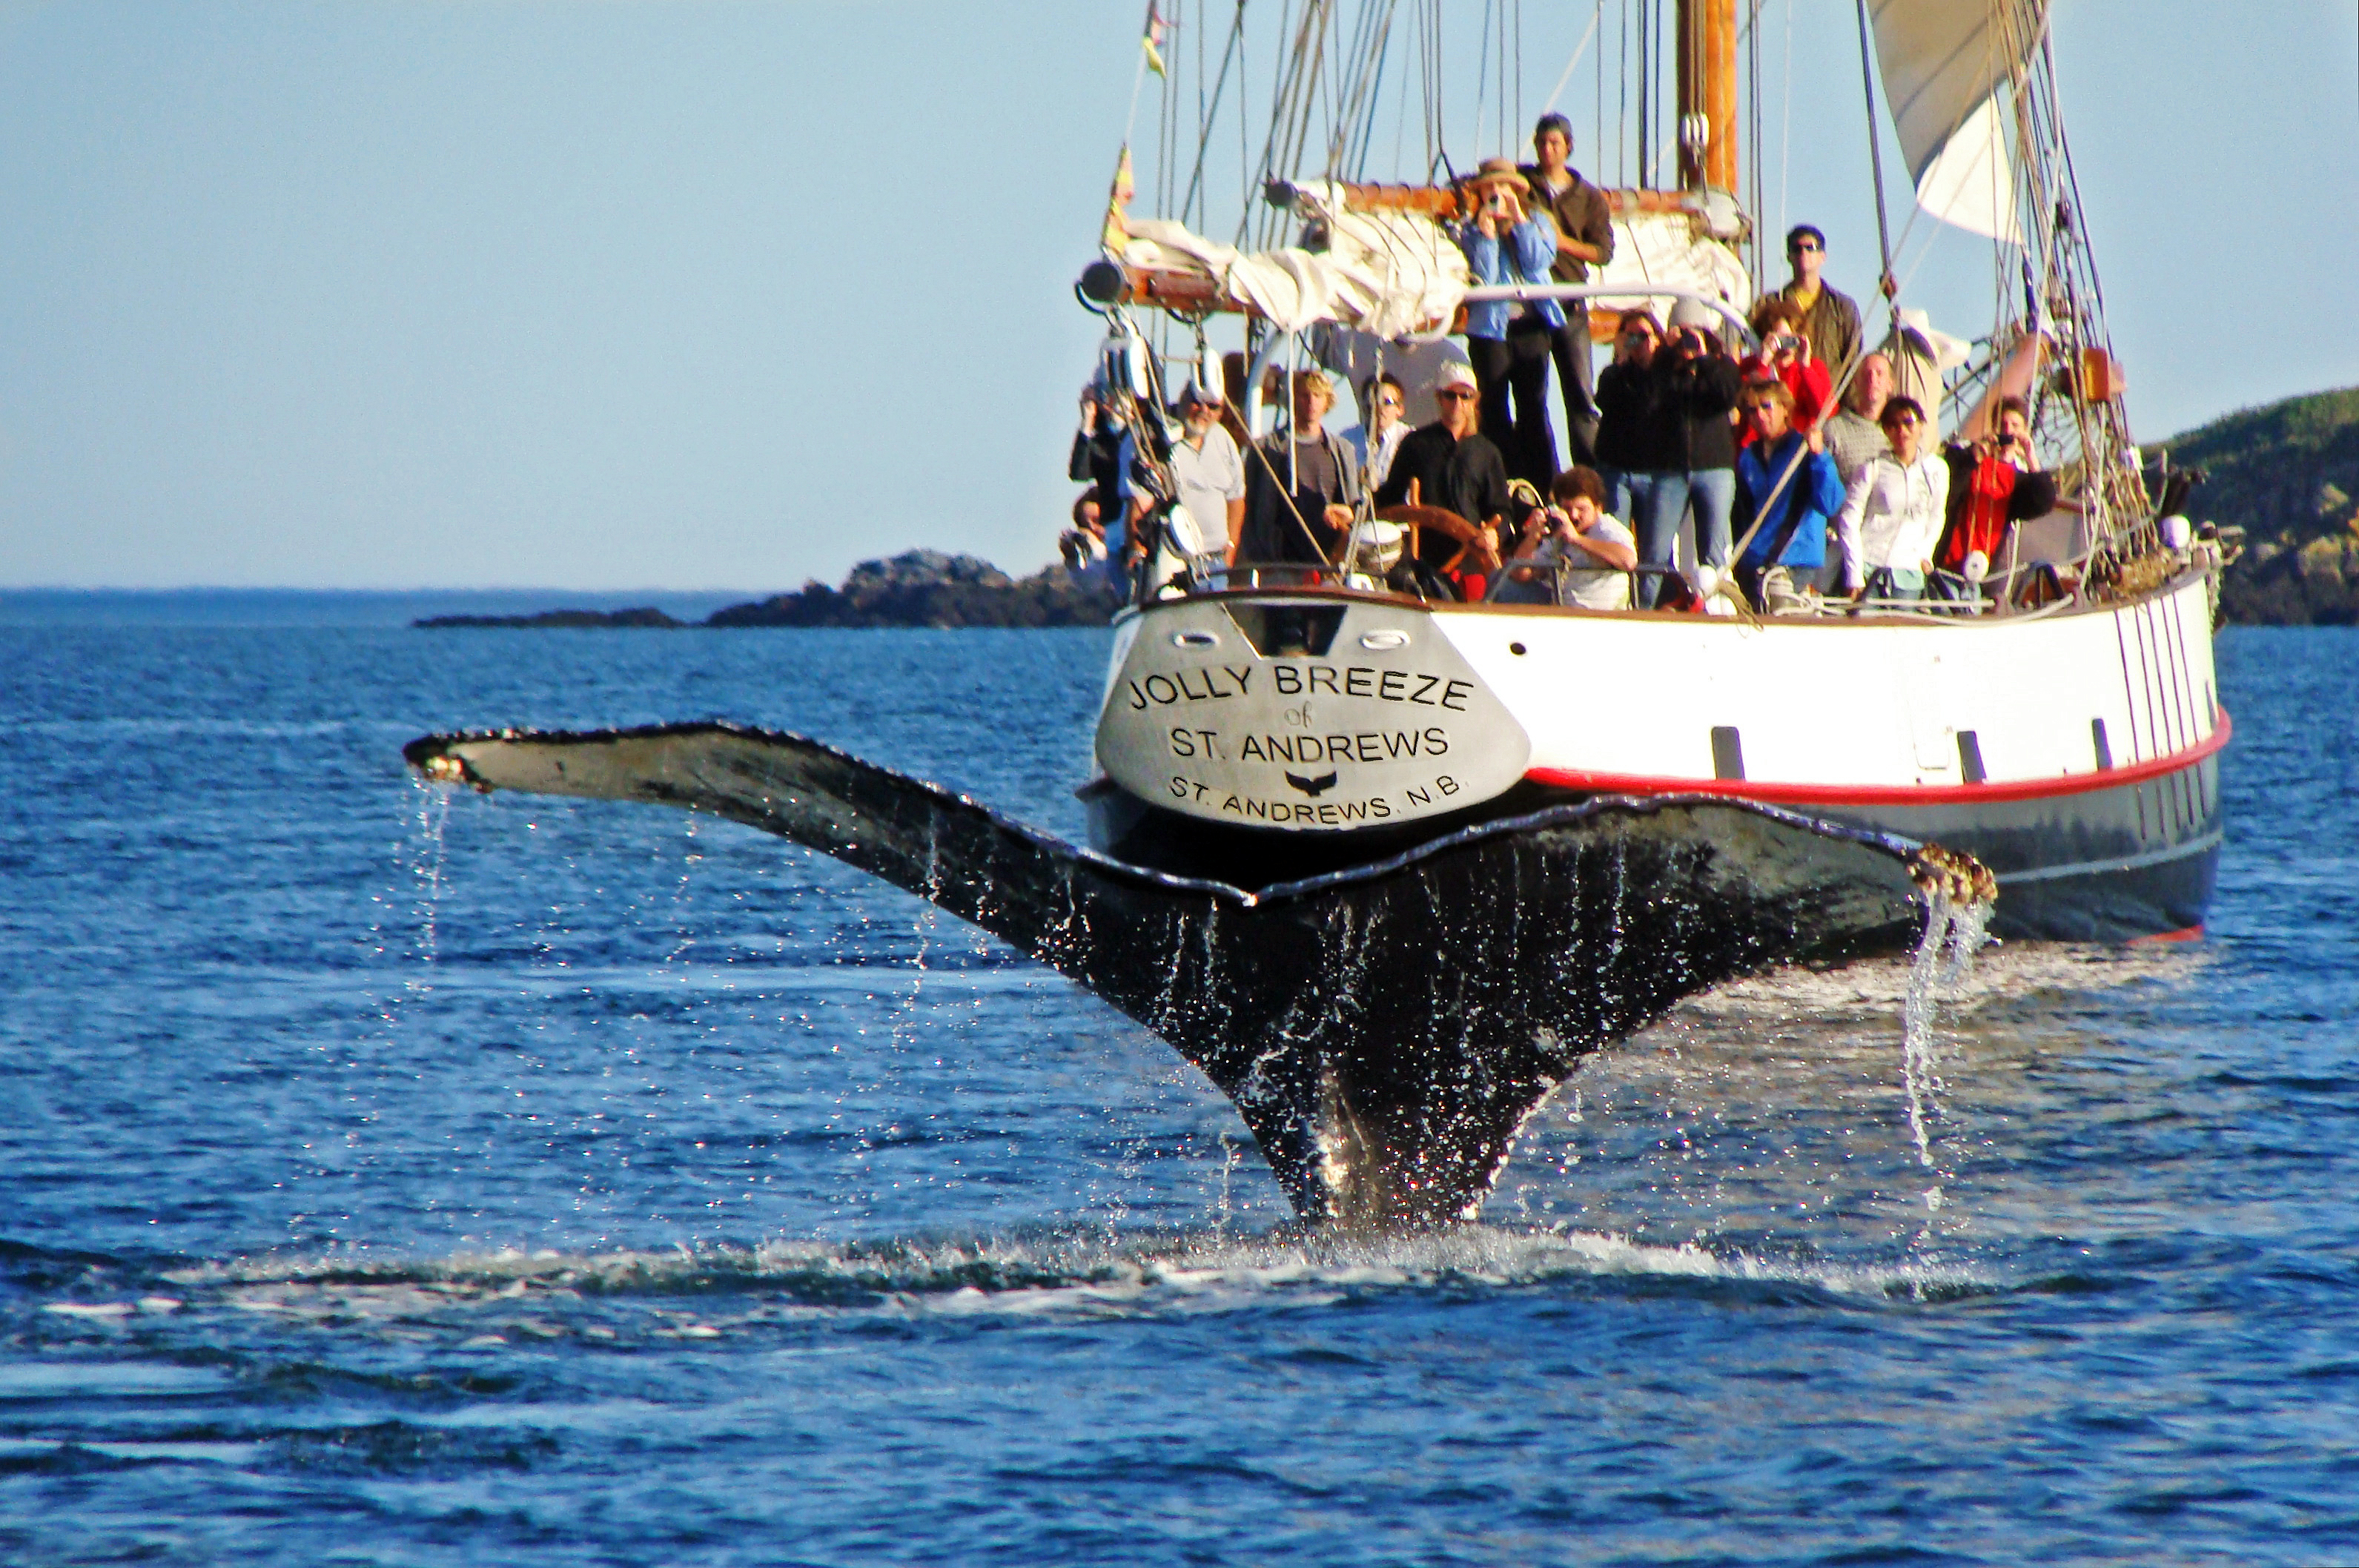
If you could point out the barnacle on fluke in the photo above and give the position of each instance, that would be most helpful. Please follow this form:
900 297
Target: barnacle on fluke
1383 1031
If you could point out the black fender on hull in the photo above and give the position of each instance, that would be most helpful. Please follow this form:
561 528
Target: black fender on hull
1382 1031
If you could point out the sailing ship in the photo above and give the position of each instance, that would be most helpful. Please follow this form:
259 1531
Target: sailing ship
2060 720
1386 866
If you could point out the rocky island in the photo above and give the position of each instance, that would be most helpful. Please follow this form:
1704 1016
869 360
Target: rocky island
2287 476
916 588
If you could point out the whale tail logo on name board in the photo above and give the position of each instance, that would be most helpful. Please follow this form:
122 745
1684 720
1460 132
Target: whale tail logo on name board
1313 786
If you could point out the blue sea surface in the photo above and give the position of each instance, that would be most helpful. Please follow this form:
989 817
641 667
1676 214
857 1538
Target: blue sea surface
390 1176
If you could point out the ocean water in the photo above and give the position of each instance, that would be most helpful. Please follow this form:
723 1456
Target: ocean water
390 1177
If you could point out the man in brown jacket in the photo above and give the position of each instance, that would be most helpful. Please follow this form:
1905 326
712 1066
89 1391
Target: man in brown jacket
1830 317
1584 234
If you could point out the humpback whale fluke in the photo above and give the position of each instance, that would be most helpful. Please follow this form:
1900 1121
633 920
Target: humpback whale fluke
1384 1030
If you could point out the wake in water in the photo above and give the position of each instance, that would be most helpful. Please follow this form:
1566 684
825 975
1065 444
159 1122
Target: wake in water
514 1297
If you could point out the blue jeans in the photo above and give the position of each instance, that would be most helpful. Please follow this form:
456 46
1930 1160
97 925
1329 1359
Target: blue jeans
1660 502
1663 501
1657 501
1712 496
1618 493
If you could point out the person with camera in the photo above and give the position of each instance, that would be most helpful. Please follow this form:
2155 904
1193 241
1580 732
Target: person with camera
1574 553
1786 356
1693 382
1892 514
1629 441
1995 481
1506 242
1106 455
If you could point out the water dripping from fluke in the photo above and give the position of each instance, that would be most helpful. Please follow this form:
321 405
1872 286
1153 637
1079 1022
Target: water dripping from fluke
1959 895
1384 1031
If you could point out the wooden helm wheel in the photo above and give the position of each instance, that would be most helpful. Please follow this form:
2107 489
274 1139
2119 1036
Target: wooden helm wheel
1441 520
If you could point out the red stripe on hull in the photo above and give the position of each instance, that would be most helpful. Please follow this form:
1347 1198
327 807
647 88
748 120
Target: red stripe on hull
1776 794
2189 933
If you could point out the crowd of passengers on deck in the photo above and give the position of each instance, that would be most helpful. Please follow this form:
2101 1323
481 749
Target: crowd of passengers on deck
1818 500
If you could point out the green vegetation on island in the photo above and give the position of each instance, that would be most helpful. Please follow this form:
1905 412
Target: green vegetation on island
2289 475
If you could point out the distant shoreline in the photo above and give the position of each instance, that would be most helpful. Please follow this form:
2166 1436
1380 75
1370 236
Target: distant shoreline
916 588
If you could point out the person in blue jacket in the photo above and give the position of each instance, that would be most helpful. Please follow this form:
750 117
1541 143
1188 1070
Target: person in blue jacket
1511 240
1786 512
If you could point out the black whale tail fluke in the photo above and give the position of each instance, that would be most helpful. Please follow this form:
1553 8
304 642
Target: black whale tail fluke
1384 1030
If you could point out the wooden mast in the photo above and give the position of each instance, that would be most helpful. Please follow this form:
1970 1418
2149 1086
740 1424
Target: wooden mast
1707 38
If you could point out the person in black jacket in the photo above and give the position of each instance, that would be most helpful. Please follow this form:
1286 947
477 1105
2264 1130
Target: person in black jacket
1450 464
1105 453
1694 384
1628 444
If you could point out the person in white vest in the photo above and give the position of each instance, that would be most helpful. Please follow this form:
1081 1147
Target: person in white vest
1892 515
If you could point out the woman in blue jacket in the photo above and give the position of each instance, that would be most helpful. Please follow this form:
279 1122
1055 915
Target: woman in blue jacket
1508 241
1787 511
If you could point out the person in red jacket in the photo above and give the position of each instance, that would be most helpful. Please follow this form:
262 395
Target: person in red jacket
1993 483
1786 356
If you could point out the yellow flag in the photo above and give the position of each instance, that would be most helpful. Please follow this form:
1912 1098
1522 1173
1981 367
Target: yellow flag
1153 43
1116 233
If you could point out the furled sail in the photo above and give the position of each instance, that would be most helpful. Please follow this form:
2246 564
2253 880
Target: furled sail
1388 273
1943 63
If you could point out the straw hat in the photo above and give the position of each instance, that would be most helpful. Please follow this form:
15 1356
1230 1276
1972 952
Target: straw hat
1500 171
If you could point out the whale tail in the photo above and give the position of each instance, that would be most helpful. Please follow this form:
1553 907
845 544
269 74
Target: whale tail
1384 1031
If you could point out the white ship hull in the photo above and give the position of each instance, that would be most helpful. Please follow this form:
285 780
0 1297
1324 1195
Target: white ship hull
1255 736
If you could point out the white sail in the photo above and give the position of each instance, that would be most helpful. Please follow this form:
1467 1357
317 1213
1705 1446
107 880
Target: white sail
1970 184
1941 61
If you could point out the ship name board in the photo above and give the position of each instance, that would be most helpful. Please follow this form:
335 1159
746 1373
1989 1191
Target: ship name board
1298 742
1211 684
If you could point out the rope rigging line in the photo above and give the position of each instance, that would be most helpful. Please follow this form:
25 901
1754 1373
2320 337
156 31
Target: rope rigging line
1482 70
1574 63
1786 114
1875 151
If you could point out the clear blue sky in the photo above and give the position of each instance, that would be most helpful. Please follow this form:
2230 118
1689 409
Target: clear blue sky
687 295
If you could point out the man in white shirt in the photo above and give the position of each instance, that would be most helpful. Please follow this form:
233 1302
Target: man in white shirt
1892 515
1208 471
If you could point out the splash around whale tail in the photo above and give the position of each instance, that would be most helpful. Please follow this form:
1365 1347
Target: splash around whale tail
1384 1030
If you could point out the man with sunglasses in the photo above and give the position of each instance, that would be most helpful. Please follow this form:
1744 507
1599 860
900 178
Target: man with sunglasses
1830 317
1451 465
